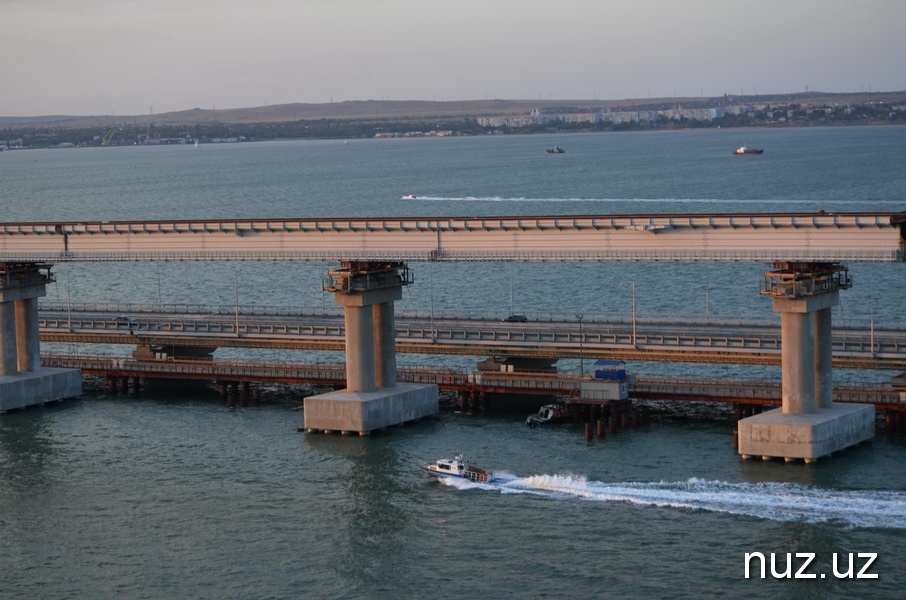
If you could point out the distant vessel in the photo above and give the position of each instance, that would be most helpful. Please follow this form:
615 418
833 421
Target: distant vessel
457 467
408 197
744 151
556 150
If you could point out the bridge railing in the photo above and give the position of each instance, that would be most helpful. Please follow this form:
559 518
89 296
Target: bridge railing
426 314
462 255
126 308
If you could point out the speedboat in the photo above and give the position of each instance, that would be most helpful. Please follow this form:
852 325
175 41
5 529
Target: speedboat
744 151
549 413
408 197
457 467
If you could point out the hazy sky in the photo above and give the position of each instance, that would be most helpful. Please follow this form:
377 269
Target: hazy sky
127 57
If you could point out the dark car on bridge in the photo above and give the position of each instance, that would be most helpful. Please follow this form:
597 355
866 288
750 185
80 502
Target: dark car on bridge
515 319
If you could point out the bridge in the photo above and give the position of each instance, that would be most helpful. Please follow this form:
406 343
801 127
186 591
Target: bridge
656 338
806 250
755 237
472 386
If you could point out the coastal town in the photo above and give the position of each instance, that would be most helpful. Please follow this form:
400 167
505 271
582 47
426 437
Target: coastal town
754 113
390 119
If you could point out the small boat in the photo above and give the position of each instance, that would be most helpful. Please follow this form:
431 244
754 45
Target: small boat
457 467
556 150
549 413
744 151
408 197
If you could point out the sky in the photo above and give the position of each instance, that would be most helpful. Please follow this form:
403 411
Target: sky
135 57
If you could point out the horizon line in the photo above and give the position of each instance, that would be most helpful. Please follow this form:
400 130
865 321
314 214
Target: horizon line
540 101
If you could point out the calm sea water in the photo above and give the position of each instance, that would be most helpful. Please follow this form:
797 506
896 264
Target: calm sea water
170 494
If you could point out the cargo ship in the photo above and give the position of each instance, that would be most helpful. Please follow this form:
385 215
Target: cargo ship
744 151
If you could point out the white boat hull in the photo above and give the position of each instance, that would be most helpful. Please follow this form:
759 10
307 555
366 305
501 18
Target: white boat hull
456 469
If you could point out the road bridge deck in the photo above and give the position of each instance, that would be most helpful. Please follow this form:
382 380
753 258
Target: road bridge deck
752 237
657 338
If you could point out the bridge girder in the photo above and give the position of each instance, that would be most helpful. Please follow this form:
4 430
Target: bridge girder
749 237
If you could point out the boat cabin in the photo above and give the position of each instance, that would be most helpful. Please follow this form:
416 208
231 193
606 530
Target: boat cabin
454 466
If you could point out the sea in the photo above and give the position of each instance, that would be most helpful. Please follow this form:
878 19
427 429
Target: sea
169 493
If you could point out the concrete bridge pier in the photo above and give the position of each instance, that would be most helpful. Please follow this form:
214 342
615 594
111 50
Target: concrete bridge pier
372 399
809 424
23 382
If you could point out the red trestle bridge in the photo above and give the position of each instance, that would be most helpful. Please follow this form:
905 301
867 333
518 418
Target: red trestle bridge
471 386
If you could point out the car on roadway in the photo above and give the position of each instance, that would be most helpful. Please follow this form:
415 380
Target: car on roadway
516 319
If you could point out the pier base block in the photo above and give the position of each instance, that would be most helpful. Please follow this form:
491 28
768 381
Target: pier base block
362 412
36 388
807 436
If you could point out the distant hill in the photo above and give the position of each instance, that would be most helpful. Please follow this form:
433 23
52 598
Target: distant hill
371 110
404 110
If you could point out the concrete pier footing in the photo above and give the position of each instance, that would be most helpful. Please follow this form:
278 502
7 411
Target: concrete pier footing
344 411
36 389
809 436
23 382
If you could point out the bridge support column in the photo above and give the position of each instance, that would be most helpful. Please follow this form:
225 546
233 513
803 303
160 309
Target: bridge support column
22 380
372 399
9 364
797 343
808 425
360 365
384 325
824 355
28 346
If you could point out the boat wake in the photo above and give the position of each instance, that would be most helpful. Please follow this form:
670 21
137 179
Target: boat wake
774 501
724 201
